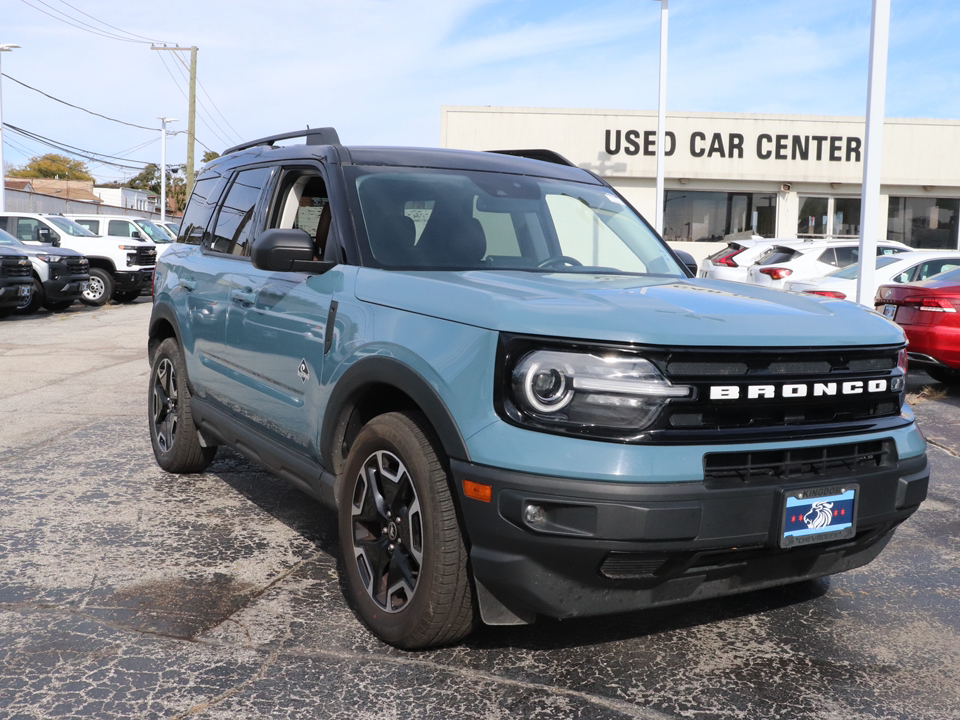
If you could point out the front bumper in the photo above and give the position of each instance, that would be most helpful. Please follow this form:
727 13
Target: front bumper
134 280
68 287
616 547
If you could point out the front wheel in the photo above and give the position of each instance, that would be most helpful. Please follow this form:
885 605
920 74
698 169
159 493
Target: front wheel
176 444
403 552
32 302
99 288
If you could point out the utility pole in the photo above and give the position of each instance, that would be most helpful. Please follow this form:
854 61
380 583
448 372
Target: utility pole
192 116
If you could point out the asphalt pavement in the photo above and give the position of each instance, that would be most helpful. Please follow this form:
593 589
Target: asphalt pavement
126 592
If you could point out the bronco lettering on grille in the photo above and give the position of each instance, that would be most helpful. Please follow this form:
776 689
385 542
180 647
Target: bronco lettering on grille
798 390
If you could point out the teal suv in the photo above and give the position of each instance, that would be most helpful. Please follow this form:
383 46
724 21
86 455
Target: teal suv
513 393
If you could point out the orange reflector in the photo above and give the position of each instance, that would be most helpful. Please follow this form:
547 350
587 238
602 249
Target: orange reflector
483 493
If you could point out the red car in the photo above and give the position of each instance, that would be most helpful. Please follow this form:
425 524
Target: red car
927 312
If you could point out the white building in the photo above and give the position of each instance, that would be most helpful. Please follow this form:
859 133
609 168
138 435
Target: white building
773 175
125 197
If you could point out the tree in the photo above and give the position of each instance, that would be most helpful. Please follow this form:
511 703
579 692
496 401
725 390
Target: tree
208 156
52 165
148 179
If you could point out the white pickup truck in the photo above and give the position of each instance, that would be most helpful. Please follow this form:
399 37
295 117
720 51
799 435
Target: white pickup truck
119 267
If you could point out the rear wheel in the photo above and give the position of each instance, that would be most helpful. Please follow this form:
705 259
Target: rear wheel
403 552
99 289
32 303
176 443
945 375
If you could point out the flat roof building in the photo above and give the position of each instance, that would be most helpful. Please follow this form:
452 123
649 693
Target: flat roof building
728 173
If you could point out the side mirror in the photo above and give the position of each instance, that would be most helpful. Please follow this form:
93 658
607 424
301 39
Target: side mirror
46 235
279 250
136 235
688 261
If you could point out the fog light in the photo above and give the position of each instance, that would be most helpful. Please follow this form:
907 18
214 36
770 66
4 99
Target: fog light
535 515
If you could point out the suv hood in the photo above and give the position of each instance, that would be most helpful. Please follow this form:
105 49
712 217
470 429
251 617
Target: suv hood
628 308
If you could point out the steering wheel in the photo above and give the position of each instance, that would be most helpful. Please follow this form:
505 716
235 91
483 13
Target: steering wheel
560 260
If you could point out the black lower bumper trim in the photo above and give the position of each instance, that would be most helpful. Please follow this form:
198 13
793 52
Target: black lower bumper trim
592 548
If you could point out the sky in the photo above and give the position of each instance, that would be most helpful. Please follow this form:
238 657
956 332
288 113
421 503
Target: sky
381 70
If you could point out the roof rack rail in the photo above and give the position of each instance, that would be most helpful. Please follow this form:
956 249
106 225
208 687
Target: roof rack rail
545 155
314 136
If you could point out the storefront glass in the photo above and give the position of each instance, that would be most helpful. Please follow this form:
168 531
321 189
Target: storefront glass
828 217
710 216
923 222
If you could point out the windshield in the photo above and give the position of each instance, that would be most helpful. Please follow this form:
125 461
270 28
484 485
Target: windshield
69 226
8 239
851 272
464 220
155 233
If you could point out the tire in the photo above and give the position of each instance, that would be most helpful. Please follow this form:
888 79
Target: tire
31 304
99 289
946 375
173 435
404 557
57 306
126 296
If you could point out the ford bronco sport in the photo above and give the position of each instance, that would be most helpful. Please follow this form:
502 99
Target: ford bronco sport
513 393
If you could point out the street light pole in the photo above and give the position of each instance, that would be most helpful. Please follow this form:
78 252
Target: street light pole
873 151
163 166
3 187
661 113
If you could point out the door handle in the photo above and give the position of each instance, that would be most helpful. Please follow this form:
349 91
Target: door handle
247 297
188 284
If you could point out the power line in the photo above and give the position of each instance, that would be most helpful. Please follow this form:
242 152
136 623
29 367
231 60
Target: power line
200 102
183 62
72 150
94 31
125 32
77 107
177 83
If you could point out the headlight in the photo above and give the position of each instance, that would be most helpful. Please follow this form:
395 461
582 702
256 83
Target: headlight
47 258
599 393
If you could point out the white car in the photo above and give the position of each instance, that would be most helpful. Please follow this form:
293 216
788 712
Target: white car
731 262
900 268
811 259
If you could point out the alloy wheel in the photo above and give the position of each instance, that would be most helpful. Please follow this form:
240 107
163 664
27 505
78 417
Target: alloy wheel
164 410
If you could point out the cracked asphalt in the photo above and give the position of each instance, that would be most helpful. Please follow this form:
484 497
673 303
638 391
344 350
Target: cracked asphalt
126 592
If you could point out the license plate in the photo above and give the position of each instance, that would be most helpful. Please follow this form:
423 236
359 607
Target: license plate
25 290
817 515
890 311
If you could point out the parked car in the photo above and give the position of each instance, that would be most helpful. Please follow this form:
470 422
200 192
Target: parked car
809 260
119 269
16 281
927 311
900 268
60 275
511 391
172 228
732 262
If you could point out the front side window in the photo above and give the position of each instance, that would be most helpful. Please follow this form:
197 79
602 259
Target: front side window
121 228
28 230
235 221
69 226
438 219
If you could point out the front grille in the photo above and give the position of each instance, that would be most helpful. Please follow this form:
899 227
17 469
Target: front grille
806 463
146 256
794 388
14 267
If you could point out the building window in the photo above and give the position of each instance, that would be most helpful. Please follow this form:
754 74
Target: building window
828 217
713 215
923 222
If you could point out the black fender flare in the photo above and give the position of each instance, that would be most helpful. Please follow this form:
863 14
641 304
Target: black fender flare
162 312
384 370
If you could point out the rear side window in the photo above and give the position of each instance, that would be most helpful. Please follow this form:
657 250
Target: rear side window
235 220
778 254
847 256
206 191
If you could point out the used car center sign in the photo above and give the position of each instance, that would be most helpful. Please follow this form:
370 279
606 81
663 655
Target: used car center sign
734 145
